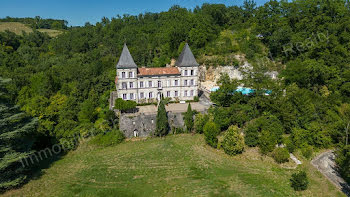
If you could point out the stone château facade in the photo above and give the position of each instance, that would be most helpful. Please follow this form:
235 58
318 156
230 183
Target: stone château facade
144 85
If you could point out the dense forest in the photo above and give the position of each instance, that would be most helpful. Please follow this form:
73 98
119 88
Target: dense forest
64 82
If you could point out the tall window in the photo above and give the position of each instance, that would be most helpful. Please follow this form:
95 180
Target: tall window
192 82
142 95
124 96
123 74
191 94
185 93
168 93
141 84
176 93
176 82
150 84
130 74
131 85
131 95
150 95
192 72
185 73
159 84
124 85
185 83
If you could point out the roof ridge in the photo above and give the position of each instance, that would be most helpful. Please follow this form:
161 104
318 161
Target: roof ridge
126 60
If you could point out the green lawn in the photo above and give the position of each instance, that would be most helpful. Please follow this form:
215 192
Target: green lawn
180 165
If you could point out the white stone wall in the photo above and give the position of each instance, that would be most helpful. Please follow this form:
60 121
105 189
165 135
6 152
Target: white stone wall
141 92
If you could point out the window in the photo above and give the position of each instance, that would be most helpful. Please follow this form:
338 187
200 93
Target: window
176 82
130 74
168 83
141 84
131 95
131 85
142 95
185 83
124 85
176 93
124 96
192 72
185 93
123 74
150 95
150 84
192 82
159 84
185 73
191 94
168 93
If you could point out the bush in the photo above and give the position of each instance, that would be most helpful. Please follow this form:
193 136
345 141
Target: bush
289 145
307 151
108 139
211 130
233 142
343 161
200 121
281 155
251 137
299 181
267 142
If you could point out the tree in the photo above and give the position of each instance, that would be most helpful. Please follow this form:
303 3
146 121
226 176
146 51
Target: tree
343 162
17 131
162 124
299 181
211 130
188 118
233 141
200 121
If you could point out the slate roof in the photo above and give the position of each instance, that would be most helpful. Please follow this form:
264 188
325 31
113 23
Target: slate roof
158 71
126 60
186 58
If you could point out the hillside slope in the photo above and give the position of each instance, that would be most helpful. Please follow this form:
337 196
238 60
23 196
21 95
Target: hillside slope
17 28
180 165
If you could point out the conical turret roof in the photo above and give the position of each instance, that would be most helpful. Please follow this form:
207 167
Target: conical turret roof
186 58
126 60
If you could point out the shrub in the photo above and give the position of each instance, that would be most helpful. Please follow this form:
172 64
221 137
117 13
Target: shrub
200 121
108 139
251 137
281 155
267 142
289 145
211 130
299 181
307 151
233 142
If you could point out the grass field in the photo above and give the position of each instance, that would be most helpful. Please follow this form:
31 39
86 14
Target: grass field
17 28
180 165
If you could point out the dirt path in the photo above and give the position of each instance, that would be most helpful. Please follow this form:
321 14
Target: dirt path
325 163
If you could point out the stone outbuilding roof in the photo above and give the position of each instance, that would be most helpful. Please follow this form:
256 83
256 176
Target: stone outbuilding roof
186 58
126 60
158 71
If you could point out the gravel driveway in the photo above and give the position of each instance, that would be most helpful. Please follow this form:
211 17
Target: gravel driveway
325 163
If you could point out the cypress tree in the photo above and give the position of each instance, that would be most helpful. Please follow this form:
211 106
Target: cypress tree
188 118
16 140
162 125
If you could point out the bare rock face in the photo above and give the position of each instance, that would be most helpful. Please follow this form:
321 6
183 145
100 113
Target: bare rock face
213 74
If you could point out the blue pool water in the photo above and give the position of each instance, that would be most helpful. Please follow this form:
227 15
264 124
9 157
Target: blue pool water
244 91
